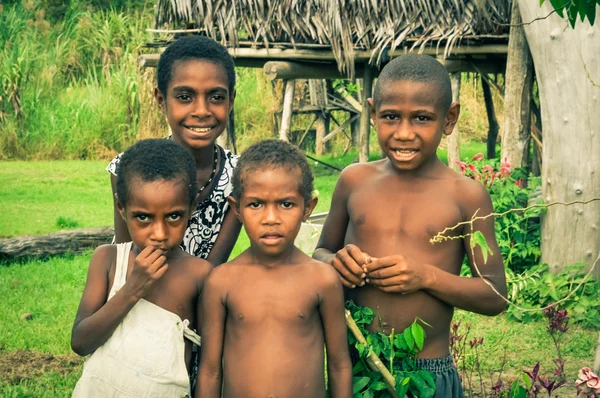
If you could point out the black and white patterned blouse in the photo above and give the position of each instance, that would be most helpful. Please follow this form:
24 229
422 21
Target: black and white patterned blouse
205 224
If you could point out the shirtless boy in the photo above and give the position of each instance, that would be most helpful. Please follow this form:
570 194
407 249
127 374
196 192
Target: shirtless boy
140 296
271 310
383 215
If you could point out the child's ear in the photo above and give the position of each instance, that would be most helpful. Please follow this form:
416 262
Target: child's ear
309 207
160 99
235 206
451 118
120 207
372 109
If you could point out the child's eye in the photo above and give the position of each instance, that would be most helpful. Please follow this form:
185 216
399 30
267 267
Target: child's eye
390 117
184 98
422 118
287 205
217 98
174 217
254 205
142 218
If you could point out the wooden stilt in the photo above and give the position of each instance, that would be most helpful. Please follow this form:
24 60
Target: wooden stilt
365 116
286 116
454 138
491 116
318 98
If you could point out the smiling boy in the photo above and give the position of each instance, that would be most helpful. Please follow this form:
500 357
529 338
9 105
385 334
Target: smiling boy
271 310
383 215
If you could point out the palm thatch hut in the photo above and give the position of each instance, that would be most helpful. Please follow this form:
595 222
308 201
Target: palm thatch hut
326 39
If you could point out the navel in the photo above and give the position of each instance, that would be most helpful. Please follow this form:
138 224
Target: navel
301 315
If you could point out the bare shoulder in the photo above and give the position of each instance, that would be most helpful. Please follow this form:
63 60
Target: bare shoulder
471 195
324 274
195 267
104 257
357 172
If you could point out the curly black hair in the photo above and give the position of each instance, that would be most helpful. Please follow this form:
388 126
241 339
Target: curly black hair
194 48
415 68
155 160
273 154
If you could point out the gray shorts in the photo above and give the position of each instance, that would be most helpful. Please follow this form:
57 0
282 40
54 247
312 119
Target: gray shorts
447 381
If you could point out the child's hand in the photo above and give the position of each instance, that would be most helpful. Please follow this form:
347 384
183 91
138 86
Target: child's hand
149 266
349 262
396 274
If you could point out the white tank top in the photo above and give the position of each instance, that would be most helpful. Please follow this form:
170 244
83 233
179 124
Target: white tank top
144 357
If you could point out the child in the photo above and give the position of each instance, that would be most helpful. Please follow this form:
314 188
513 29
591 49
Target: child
141 296
196 90
391 209
269 311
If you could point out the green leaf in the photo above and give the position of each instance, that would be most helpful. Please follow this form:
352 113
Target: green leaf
402 385
358 383
590 11
559 6
419 334
410 341
581 7
477 239
517 391
377 386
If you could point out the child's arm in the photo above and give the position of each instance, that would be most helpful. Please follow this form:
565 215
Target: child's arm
331 308
346 259
213 315
400 274
230 229
121 231
96 318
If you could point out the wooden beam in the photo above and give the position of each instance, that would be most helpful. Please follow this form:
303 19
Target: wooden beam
304 70
347 123
286 116
454 138
365 116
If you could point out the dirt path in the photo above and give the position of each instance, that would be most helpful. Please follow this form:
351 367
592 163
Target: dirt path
18 365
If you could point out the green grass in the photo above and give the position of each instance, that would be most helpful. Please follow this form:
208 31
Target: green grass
43 197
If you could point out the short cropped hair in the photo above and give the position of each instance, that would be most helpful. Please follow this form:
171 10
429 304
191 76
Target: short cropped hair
155 160
194 48
415 68
271 154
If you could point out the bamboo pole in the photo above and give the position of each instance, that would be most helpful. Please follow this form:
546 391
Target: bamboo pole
372 359
365 116
454 138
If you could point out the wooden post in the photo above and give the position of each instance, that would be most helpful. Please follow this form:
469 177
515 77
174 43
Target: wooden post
318 93
454 138
517 95
286 116
365 116
536 161
493 126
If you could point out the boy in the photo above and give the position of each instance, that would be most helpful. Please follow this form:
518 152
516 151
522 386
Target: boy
140 296
269 312
391 209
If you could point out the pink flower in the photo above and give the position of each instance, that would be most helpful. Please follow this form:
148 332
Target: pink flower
588 383
505 171
520 183
477 157
462 165
488 169
505 163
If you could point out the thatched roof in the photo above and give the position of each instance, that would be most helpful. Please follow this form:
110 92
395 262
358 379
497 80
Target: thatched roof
345 26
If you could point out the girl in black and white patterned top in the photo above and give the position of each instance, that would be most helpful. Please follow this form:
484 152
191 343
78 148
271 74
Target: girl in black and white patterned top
196 90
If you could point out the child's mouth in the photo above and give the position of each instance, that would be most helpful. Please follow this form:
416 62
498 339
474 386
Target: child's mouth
404 153
200 130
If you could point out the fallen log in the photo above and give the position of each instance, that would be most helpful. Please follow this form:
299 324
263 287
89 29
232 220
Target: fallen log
74 241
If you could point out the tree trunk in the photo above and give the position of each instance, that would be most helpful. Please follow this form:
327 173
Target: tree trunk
492 121
454 138
74 241
318 98
566 66
286 114
517 95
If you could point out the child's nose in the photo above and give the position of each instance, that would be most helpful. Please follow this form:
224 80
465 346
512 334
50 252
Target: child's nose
159 232
404 132
271 216
201 108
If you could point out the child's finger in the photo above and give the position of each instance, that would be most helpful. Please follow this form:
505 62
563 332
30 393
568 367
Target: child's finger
379 263
356 254
161 271
159 262
349 262
346 274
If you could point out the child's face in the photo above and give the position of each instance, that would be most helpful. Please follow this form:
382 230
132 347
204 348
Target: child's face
410 121
272 209
157 213
197 103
